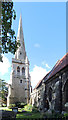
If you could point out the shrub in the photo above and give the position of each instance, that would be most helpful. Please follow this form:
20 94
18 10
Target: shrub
4 105
20 105
17 104
11 105
53 114
65 115
28 107
35 109
0 105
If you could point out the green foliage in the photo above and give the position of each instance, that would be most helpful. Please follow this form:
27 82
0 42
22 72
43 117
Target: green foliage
8 35
35 109
65 115
5 108
3 91
11 105
28 107
17 104
8 43
31 108
23 104
29 115
20 105
4 105
0 105
53 114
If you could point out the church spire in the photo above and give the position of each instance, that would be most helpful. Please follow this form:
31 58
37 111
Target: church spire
20 30
20 53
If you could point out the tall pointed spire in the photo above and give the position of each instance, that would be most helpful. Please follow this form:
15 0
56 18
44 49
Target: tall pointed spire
20 53
20 30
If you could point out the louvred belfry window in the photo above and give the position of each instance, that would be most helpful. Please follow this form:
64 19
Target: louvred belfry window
23 71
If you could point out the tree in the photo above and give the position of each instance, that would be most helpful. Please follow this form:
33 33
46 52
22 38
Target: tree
3 91
8 41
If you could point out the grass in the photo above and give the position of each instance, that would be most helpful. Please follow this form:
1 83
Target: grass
28 108
5 108
29 115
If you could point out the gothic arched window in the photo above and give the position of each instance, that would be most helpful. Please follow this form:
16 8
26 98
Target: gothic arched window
50 94
23 71
66 91
18 69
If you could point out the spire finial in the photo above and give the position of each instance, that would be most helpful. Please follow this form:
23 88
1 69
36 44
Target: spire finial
20 30
21 18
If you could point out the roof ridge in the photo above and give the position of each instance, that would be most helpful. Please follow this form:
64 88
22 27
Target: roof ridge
50 72
64 56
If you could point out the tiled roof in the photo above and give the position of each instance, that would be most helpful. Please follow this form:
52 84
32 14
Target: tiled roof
41 81
63 62
37 84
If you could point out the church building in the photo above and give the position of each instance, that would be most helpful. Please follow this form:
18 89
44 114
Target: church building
51 93
19 87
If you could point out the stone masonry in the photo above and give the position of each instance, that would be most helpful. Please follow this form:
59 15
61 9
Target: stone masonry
19 87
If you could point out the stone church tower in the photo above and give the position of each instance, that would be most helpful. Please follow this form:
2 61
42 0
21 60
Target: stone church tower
19 87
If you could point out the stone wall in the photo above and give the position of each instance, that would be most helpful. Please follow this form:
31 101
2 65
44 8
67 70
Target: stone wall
36 97
19 91
55 90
